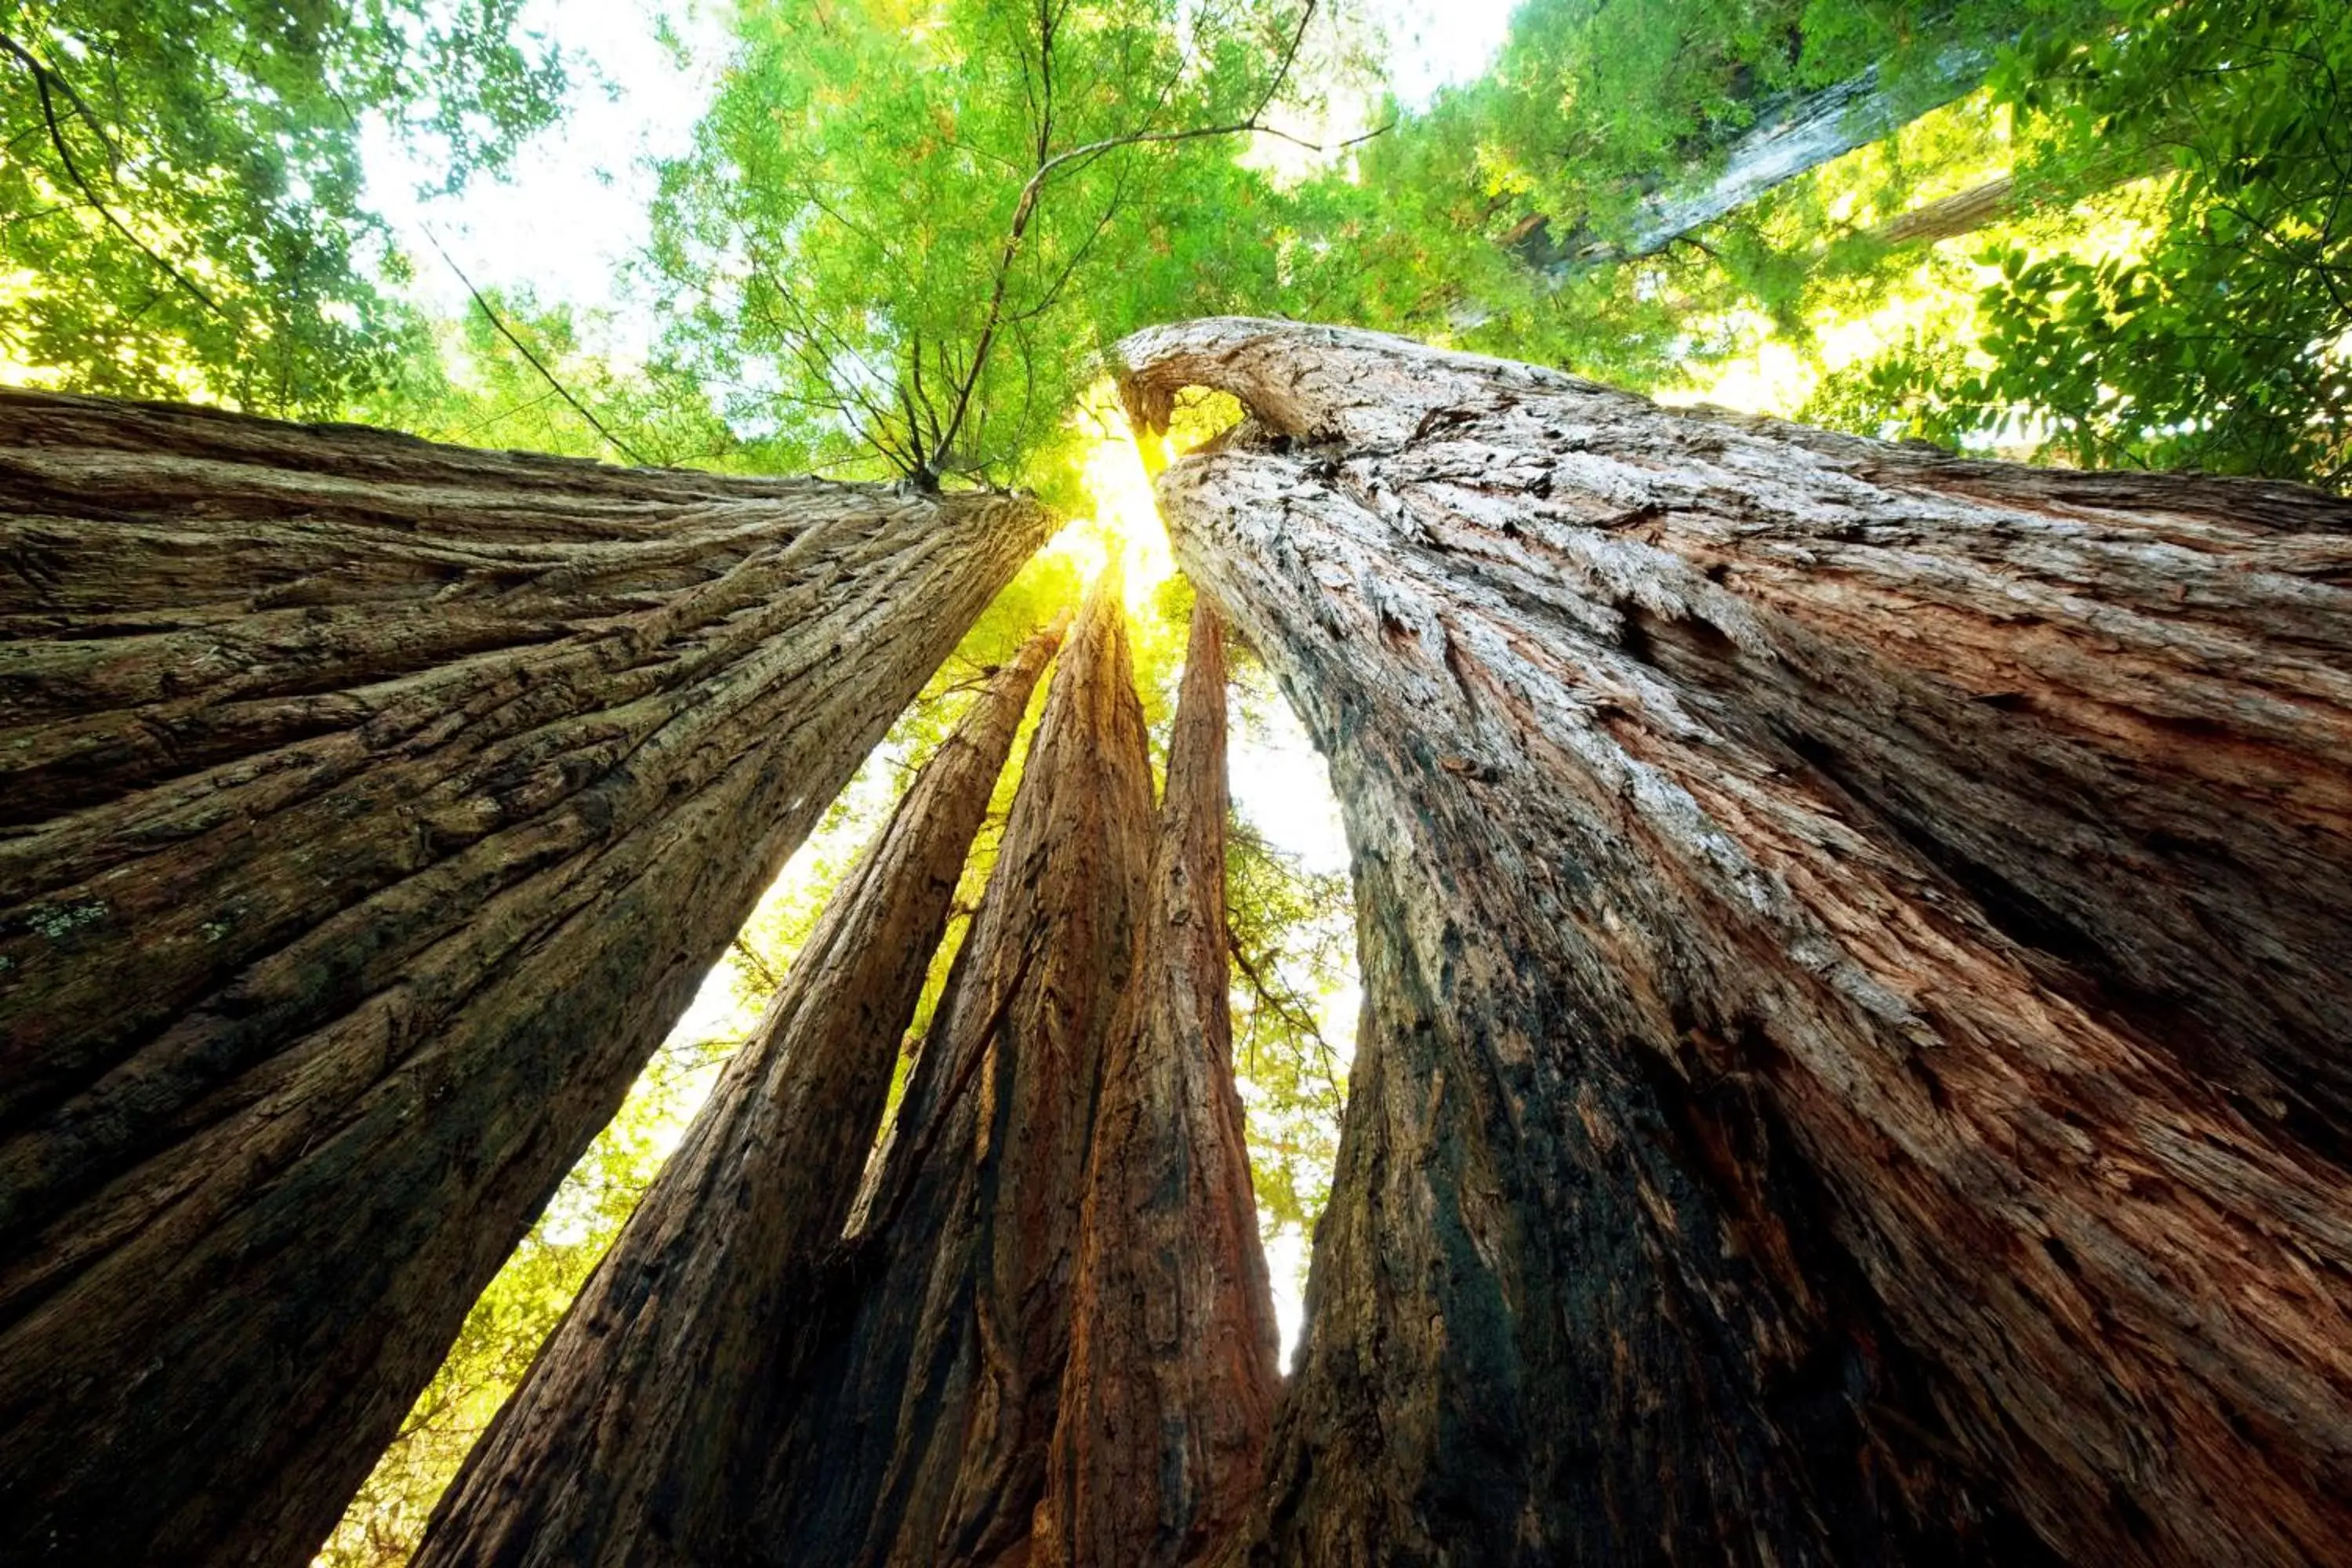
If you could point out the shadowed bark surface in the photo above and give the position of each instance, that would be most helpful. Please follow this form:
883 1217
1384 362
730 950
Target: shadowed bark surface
621 1443
923 1439
371 809
1166 1403
1854 937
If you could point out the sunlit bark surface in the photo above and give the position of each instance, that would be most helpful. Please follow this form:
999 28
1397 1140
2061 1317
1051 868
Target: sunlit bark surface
1165 1407
1854 1051
629 1439
371 809
922 1438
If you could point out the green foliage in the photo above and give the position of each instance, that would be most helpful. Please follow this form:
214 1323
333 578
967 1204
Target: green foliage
470 383
2219 342
905 229
1293 947
181 197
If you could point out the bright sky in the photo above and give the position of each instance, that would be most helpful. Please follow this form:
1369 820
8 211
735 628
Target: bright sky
574 211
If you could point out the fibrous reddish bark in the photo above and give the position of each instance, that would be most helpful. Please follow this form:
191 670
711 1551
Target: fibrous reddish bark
923 1437
627 1440
1166 1403
1854 1047
372 807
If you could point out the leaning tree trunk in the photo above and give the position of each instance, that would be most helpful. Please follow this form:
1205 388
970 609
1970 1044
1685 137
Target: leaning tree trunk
1790 136
922 1438
627 1441
371 809
1856 1027
1165 1405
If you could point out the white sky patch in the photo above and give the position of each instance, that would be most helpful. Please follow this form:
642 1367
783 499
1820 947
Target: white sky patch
1435 43
573 209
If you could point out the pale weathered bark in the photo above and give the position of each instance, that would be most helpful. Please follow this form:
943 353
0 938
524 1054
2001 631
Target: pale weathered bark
371 809
1166 1405
628 1440
1790 136
1854 1046
923 1437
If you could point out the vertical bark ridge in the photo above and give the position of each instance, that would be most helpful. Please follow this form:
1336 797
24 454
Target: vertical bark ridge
377 805
924 1441
621 1444
1853 1044
1167 1401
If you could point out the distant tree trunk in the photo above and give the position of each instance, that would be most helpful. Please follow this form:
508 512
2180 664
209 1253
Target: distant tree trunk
1854 939
923 1437
1790 136
372 809
1165 1406
627 1440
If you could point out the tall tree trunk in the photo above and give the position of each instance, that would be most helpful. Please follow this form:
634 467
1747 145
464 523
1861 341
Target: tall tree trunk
1853 938
1166 1403
373 808
1790 137
923 1439
627 1441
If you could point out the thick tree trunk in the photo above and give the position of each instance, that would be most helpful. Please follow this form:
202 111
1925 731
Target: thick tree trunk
1855 1035
1789 137
621 1443
1166 1403
923 1439
373 808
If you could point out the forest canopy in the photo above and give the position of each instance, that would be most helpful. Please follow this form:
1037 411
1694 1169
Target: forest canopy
902 236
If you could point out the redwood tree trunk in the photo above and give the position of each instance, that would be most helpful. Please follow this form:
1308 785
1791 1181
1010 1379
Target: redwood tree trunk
1790 136
1854 1046
372 810
1165 1405
922 1438
623 1441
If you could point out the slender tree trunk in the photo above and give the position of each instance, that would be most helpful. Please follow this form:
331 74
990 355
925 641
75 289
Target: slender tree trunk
1166 1403
621 1444
1790 137
1854 1045
923 1438
373 808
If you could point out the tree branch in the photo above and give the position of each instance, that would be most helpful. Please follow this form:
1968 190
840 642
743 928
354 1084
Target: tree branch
524 349
42 78
1025 208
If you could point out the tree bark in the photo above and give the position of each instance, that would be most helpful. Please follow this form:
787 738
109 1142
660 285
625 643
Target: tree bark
1165 1402
923 1437
1854 1036
626 1442
372 810
1790 137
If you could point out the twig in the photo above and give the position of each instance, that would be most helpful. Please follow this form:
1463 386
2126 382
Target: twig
524 349
1025 207
42 79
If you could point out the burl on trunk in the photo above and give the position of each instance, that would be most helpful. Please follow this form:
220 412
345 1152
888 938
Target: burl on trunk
1854 1063
371 809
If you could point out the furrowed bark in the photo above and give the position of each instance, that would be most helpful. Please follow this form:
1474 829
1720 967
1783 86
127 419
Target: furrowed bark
645 1404
1167 1401
371 809
1854 1036
923 1439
